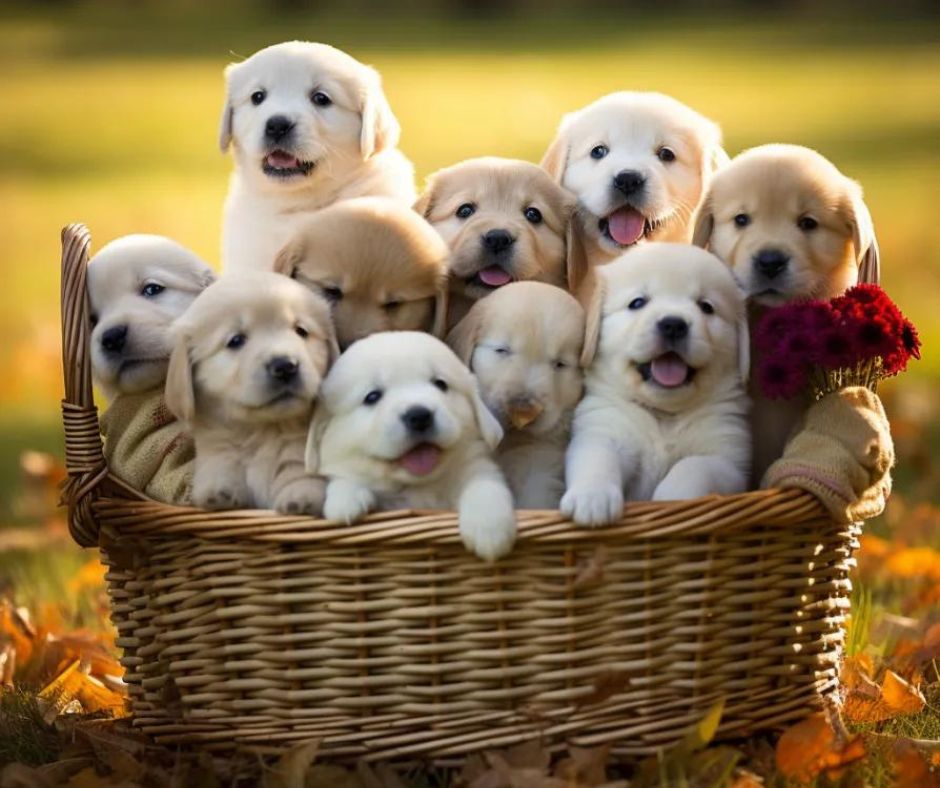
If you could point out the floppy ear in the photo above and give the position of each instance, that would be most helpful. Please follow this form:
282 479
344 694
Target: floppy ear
866 244
290 256
463 337
179 395
704 224
380 128
425 200
715 159
314 438
489 427
592 299
576 262
439 326
333 344
744 348
228 115
555 160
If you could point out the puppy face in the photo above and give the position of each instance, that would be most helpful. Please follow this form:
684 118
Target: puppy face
252 349
137 286
397 406
504 221
669 325
524 343
789 224
638 163
298 113
380 265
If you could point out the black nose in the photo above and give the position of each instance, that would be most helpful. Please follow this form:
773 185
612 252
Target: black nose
673 328
770 262
629 182
418 419
114 338
278 127
282 369
497 240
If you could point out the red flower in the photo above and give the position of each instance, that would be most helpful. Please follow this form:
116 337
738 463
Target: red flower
836 349
779 379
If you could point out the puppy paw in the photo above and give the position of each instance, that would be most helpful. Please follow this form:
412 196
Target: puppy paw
302 496
220 498
488 524
347 501
593 505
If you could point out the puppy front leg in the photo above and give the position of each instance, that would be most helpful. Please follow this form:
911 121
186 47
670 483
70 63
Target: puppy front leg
594 494
219 481
486 514
347 500
293 490
699 475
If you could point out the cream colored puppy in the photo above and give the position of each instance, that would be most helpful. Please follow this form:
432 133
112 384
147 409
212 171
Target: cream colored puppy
664 415
504 221
638 164
247 364
790 226
380 265
524 343
137 286
401 424
309 126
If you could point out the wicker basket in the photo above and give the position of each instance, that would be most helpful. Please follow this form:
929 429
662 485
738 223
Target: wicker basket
389 640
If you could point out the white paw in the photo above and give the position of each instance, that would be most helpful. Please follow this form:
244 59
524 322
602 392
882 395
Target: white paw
488 526
347 502
219 498
302 496
588 505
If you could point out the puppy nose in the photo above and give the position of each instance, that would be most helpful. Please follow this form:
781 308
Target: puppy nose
497 240
282 369
629 182
278 127
673 328
114 338
418 419
770 262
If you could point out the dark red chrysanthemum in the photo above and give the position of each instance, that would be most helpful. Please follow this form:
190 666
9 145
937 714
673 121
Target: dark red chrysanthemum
780 380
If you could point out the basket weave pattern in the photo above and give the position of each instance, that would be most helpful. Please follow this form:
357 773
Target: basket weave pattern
388 639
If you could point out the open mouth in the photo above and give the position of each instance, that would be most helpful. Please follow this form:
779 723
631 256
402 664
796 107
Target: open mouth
421 460
281 164
668 371
491 277
627 226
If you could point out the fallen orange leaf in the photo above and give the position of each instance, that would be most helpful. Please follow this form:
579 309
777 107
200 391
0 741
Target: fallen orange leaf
901 696
812 746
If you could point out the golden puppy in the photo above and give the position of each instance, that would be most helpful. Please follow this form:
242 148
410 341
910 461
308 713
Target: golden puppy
790 226
400 424
664 415
309 126
137 286
247 363
379 264
523 343
638 164
504 221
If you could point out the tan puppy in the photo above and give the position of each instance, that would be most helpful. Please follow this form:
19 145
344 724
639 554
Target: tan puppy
401 424
309 126
523 343
638 163
246 367
504 221
137 286
379 264
790 226
664 416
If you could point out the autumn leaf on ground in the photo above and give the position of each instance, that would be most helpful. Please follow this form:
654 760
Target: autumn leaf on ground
813 746
911 769
291 768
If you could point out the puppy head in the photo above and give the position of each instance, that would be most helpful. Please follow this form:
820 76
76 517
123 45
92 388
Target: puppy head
671 327
137 286
398 406
297 113
789 224
379 264
638 163
504 221
523 343
252 349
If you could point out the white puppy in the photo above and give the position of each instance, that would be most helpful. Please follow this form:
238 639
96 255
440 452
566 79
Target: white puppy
638 164
137 286
665 412
400 424
248 359
309 125
523 343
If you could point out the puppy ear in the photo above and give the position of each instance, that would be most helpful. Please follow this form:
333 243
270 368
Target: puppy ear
555 160
863 237
333 343
592 299
314 438
704 224
490 429
380 128
425 201
715 159
179 395
439 327
290 256
228 114
744 347
576 262
463 337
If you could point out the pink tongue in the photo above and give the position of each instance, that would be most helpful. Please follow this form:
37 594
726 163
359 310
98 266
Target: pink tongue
421 460
669 370
494 276
282 161
626 226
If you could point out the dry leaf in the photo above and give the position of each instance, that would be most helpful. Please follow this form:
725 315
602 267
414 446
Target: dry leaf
901 696
812 746
584 766
291 768
911 769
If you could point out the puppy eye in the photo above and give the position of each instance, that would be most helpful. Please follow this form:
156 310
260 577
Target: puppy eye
93 318
236 341
559 364
391 306
151 289
332 294
320 99
742 220
637 303
372 397
666 154
302 332
441 384
807 223
599 151
706 307
258 96
465 210
502 350
533 215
